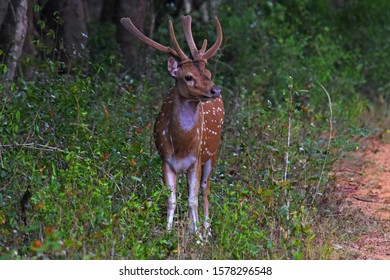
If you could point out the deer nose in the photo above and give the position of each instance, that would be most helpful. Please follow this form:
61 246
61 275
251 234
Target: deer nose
215 91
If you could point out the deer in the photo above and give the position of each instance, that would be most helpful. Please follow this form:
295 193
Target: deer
187 130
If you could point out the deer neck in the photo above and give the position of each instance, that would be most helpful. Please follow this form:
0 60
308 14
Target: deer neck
184 127
185 114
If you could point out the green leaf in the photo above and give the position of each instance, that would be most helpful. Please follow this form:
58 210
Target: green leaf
17 116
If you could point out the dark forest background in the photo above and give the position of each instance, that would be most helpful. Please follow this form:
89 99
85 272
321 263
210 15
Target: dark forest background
303 82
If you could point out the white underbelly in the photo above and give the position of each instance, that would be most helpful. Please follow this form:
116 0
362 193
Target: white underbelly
181 165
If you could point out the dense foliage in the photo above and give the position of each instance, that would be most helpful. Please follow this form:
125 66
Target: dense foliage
80 178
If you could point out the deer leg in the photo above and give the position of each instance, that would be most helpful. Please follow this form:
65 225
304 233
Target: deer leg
205 185
169 177
193 176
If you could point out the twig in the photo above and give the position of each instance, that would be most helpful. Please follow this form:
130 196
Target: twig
363 199
349 170
288 147
288 129
330 135
33 146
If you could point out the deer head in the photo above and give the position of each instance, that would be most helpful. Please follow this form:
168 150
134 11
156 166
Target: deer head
190 73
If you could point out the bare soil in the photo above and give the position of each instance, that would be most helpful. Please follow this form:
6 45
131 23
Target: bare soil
363 179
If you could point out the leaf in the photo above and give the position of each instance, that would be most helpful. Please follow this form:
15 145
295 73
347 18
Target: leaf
105 156
17 116
54 169
135 178
36 245
2 218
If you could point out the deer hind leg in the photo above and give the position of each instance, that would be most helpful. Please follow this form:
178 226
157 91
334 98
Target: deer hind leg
169 177
207 167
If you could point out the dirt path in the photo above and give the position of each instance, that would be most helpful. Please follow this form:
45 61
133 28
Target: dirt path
363 178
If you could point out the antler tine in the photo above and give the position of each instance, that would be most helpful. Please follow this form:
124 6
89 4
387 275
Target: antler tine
217 43
186 21
180 53
204 46
128 24
201 54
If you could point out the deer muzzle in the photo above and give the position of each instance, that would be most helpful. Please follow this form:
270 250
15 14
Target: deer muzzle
215 92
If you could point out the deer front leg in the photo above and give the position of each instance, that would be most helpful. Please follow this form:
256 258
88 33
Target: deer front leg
205 184
169 177
193 180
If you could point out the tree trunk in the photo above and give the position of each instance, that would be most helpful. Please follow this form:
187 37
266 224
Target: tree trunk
75 31
72 31
3 11
94 9
13 34
129 45
29 49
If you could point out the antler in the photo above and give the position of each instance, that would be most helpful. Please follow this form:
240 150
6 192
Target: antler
198 55
178 53
201 54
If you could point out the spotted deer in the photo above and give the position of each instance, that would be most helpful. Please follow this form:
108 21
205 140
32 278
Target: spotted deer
187 130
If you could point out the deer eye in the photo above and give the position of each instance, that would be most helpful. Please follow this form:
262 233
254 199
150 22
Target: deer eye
188 78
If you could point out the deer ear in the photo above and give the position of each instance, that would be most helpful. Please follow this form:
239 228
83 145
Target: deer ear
172 66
